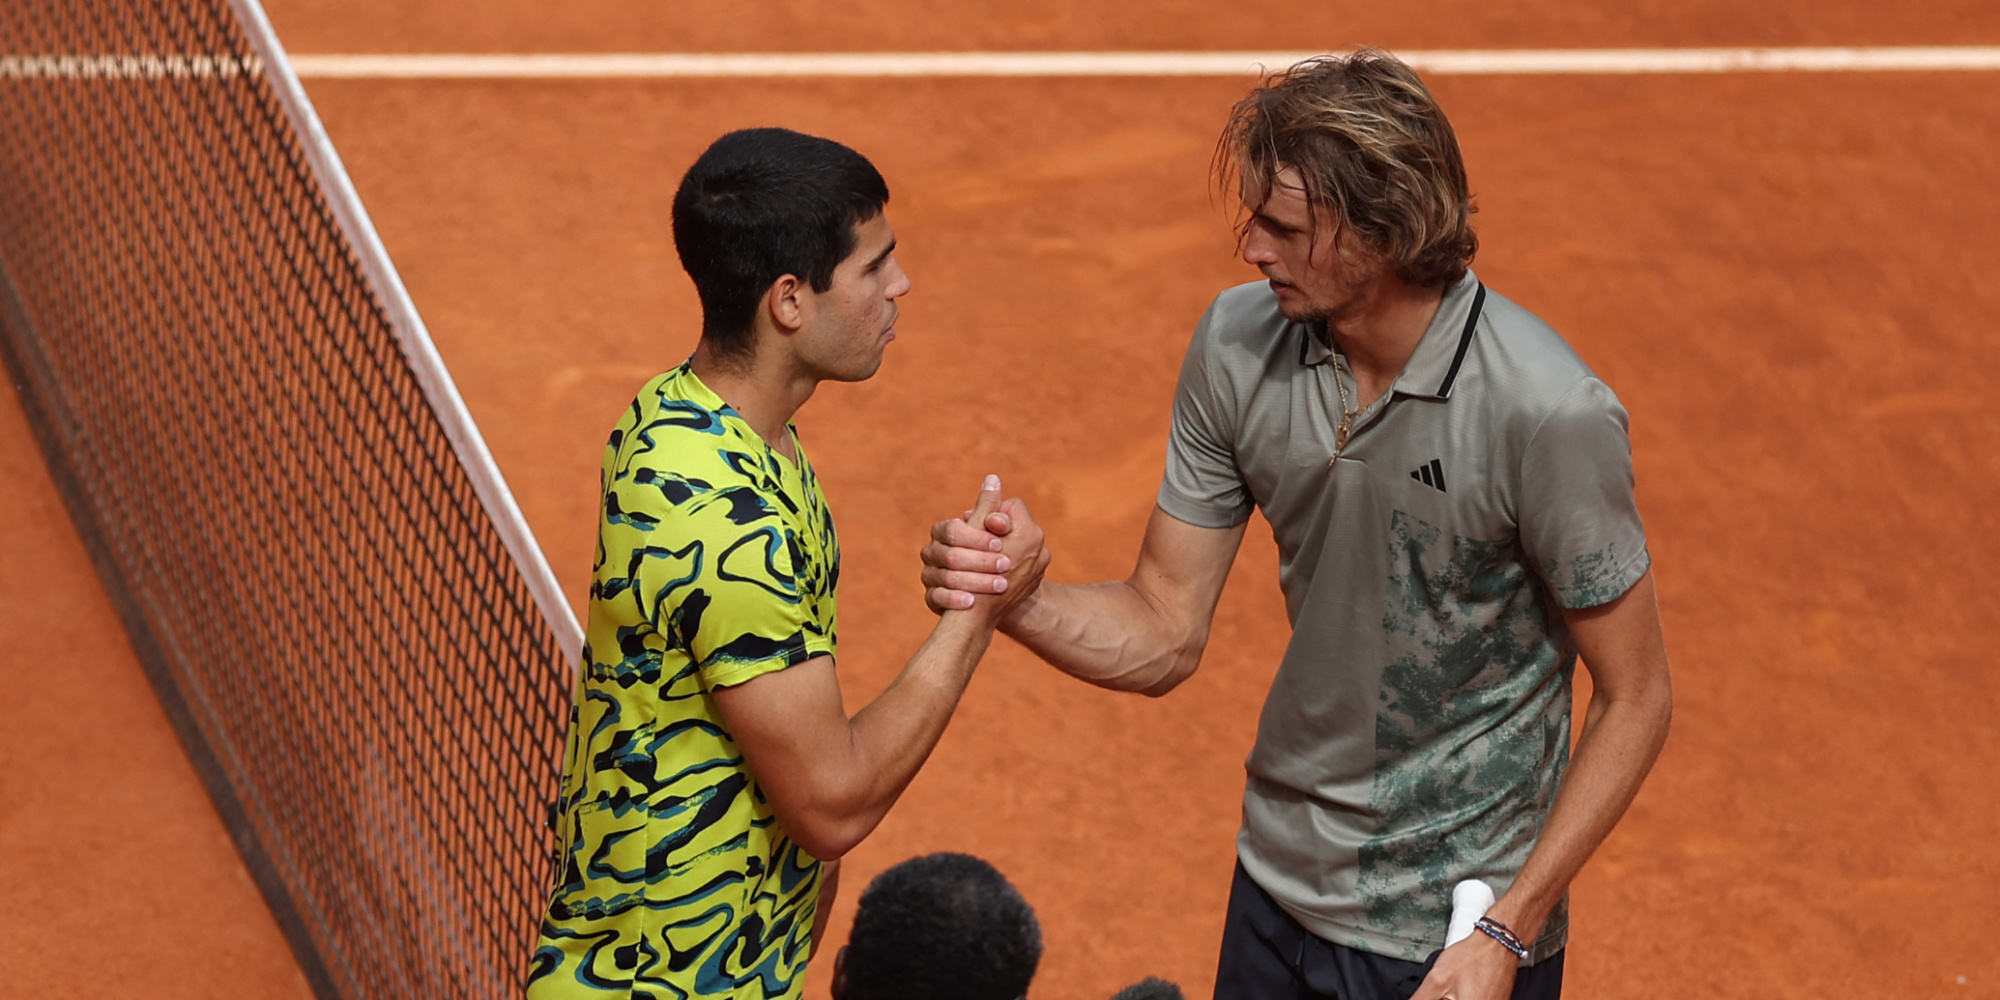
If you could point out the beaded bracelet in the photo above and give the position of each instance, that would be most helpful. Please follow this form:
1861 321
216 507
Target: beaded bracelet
1499 932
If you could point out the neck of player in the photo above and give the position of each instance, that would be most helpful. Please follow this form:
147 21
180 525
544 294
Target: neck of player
765 388
1380 329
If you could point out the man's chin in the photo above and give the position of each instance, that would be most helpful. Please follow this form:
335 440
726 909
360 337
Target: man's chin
1293 306
1301 312
860 371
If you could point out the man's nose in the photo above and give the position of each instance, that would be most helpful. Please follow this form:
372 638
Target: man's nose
1256 250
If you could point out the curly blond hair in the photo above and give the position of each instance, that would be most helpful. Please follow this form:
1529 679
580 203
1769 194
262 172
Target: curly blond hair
1372 147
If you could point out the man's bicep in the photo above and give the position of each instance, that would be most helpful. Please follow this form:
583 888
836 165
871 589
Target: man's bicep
783 721
1621 643
1183 566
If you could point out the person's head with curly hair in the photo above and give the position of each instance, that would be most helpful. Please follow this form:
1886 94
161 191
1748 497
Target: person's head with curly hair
939 927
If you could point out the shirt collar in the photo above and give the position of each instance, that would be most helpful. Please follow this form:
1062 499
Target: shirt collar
1433 368
699 393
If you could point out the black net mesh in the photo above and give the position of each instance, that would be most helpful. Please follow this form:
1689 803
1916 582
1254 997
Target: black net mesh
304 564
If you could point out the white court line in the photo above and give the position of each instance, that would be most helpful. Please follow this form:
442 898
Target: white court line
1440 62
1139 64
695 65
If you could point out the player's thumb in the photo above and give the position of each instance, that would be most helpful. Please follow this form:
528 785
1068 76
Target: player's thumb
989 501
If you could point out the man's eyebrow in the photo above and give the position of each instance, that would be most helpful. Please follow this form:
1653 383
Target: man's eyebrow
884 255
1274 222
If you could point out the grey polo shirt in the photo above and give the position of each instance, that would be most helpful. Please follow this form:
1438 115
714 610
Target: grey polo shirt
1419 723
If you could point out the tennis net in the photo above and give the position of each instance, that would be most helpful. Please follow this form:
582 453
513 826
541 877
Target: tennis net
317 561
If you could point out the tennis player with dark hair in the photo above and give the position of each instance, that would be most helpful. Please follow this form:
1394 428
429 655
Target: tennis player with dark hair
712 774
939 927
1451 492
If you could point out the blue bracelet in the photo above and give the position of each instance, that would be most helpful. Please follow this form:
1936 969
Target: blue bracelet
1498 931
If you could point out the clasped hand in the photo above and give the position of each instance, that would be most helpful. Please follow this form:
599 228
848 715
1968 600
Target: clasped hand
989 561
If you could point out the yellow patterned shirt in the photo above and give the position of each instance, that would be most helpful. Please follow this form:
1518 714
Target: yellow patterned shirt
716 563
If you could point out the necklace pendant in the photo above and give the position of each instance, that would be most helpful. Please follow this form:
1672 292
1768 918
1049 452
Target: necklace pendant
1340 440
1346 415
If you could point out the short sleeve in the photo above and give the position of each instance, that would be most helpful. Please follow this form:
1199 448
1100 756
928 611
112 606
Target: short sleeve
1579 520
1203 485
715 574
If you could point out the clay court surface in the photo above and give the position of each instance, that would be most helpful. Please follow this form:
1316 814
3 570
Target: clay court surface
1787 279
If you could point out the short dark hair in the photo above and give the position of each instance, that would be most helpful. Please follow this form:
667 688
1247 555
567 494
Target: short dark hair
1150 988
762 203
942 927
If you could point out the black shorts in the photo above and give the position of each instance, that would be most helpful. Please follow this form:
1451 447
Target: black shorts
1266 955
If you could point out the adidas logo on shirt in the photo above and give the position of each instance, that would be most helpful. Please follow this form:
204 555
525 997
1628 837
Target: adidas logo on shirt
1431 475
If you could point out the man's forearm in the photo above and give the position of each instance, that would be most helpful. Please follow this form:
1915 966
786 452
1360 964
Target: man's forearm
890 738
1144 633
1620 741
1109 634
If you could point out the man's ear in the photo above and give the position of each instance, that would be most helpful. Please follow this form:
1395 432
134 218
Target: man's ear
838 987
785 302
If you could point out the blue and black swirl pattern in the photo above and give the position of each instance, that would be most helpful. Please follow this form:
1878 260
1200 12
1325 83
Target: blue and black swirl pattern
716 563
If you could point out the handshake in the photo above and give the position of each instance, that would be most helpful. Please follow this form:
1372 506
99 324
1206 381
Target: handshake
987 563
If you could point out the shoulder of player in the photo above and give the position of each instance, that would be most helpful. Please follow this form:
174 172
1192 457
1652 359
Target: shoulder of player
1240 339
680 457
1527 370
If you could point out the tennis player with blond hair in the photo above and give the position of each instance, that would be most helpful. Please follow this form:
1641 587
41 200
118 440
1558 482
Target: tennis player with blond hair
1451 492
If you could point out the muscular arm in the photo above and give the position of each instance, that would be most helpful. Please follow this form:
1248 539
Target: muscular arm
1631 704
831 778
1145 633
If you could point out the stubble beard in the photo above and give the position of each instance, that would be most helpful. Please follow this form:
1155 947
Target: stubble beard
1351 291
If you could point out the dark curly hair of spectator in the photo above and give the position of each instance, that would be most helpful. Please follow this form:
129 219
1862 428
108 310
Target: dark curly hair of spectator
941 927
1150 988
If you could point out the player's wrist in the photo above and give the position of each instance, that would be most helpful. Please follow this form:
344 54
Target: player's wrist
975 624
1520 918
973 627
1035 614
1500 934
1020 617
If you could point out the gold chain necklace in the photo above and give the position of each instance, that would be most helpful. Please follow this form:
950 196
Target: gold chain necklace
1347 414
